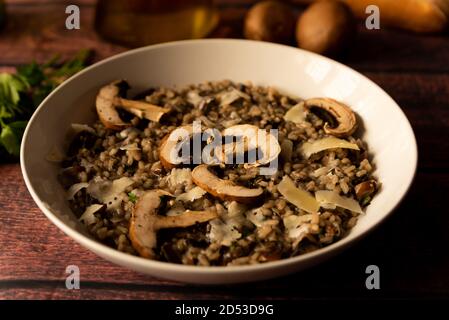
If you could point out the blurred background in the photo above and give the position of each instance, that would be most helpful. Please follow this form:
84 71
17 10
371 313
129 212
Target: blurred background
36 29
400 35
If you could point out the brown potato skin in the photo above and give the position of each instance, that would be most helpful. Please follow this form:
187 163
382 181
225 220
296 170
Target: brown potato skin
422 16
271 21
326 27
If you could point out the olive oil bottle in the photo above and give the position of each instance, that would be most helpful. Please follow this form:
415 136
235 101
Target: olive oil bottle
141 22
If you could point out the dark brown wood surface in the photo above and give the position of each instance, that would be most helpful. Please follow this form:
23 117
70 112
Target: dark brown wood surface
411 248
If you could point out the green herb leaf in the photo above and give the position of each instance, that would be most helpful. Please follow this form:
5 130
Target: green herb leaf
70 67
21 93
32 72
132 197
11 137
10 88
365 201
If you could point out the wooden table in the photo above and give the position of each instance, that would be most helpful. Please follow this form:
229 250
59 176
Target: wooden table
411 248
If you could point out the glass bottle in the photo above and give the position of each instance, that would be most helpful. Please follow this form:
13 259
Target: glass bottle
142 22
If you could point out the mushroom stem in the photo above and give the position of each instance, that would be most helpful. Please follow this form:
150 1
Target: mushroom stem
145 222
223 189
186 219
147 110
109 99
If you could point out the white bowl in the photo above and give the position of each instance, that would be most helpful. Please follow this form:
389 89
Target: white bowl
293 71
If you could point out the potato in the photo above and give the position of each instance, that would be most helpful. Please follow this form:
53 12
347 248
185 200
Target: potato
326 27
270 21
417 15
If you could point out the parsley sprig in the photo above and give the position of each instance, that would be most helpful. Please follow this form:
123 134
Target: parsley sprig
22 92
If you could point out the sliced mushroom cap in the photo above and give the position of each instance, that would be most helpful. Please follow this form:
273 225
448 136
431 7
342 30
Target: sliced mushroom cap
226 152
105 105
145 222
223 189
258 140
171 144
365 189
143 109
340 119
109 98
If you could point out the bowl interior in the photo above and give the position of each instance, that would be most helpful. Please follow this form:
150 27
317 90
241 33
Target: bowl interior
293 71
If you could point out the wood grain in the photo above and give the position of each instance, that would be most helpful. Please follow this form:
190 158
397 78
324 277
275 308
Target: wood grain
410 248
36 30
35 254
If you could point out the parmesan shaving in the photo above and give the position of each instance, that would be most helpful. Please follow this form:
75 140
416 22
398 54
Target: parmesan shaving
223 233
299 197
329 198
191 195
296 114
299 233
256 217
294 221
74 189
299 227
77 128
88 216
229 97
109 193
309 148
180 177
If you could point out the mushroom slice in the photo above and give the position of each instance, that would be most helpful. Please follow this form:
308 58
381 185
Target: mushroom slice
341 120
226 152
223 189
365 189
184 220
255 140
145 222
171 145
109 99
143 109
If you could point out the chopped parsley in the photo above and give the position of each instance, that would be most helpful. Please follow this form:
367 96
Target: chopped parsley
22 92
132 197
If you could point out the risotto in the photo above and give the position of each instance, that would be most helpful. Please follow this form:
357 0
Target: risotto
292 178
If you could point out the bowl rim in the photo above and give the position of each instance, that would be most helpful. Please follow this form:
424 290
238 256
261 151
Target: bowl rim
137 261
